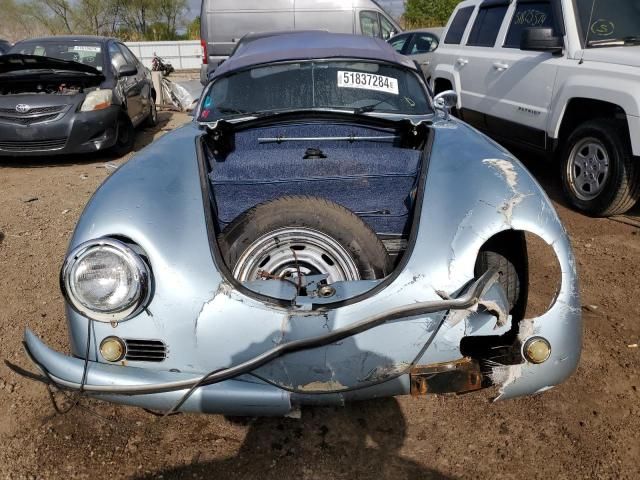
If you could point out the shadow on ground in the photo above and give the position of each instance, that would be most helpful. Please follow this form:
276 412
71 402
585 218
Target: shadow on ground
144 136
361 440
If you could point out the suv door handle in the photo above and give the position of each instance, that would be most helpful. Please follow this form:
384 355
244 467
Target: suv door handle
426 63
462 61
501 67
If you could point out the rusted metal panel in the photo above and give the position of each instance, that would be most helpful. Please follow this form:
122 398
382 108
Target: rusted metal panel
454 377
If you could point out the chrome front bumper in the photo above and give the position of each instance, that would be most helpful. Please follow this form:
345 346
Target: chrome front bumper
230 397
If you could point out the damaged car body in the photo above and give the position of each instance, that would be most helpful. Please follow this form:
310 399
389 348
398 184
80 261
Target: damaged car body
69 95
323 232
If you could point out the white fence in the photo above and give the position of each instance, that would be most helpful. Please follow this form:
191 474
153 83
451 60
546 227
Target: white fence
182 55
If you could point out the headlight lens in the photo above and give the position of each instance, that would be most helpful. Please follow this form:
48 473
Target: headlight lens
97 100
106 280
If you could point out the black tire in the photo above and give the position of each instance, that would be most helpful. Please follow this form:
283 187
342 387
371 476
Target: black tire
152 119
621 189
126 137
331 219
508 253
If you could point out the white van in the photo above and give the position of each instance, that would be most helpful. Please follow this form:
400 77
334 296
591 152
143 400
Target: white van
224 22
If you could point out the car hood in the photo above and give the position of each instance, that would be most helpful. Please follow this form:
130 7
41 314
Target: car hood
617 55
15 62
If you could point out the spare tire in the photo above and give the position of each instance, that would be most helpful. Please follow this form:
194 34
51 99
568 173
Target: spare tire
303 235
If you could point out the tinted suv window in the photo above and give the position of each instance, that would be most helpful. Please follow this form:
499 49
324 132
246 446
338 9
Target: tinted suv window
458 26
487 26
528 15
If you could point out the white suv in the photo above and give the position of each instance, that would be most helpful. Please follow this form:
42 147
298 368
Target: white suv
558 76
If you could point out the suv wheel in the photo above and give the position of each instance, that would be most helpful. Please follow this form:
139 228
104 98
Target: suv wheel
599 174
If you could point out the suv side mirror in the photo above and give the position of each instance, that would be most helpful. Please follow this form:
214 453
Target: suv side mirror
541 39
127 70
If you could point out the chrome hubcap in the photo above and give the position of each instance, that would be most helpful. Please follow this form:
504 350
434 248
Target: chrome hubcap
588 169
289 252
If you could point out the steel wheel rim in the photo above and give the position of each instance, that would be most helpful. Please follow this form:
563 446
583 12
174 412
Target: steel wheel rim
281 253
588 168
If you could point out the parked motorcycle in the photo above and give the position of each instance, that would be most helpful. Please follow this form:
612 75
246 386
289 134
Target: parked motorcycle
158 64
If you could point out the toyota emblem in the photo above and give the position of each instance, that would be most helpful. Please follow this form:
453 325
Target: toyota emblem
22 108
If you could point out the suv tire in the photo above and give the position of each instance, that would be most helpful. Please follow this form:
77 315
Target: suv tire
599 173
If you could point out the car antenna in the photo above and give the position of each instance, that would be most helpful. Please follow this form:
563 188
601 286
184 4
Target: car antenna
586 37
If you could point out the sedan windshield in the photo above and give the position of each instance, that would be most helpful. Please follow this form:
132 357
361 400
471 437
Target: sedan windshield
86 53
609 22
357 86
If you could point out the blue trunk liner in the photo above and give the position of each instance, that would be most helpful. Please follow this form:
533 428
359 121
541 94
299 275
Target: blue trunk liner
374 179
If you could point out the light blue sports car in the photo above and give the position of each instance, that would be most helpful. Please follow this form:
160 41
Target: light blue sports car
322 232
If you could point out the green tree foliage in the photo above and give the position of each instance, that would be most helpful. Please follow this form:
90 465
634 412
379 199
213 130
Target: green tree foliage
193 29
127 19
428 13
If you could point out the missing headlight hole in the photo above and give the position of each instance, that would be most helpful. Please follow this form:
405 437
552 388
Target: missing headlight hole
531 278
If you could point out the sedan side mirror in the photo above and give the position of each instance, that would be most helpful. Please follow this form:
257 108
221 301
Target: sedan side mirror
541 39
127 70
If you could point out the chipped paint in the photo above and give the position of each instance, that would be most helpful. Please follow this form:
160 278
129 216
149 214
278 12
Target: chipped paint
385 372
457 316
330 386
505 375
506 169
493 307
527 330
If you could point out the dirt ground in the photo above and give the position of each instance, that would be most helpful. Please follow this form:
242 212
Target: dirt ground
587 428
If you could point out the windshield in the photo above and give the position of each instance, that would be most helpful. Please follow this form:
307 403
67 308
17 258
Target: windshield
86 53
358 86
609 22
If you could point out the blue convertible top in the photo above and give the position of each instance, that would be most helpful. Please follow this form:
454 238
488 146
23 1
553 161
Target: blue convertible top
310 45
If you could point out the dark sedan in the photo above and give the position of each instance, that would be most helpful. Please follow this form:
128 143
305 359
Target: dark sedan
62 95
4 46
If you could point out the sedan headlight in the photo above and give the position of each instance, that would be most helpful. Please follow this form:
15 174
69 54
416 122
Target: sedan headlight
106 280
97 100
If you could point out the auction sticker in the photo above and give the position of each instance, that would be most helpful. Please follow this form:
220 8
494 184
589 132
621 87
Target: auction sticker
86 48
367 81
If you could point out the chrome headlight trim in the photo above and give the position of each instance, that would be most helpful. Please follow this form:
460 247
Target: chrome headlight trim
134 261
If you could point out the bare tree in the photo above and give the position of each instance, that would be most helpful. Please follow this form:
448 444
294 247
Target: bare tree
170 11
98 17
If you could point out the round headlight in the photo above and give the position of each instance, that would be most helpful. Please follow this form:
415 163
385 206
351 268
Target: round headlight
106 280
